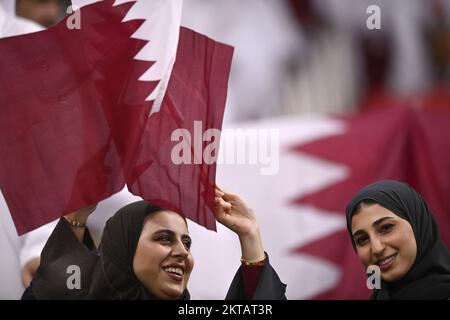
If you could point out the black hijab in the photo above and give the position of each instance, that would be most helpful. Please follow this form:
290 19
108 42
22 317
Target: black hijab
117 248
429 277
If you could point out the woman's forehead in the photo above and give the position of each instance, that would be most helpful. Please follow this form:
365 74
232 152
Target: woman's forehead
368 214
167 220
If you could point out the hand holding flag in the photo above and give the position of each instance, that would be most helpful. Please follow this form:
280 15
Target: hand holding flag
233 212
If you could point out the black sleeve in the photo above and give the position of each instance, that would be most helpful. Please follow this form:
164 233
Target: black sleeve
66 267
28 294
269 286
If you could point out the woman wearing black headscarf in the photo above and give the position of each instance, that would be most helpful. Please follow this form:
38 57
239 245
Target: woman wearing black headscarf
392 227
145 254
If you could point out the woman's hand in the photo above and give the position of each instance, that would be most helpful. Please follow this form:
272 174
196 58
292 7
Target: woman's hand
29 270
233 212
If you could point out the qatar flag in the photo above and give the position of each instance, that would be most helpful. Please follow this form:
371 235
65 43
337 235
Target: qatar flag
315 169
90 105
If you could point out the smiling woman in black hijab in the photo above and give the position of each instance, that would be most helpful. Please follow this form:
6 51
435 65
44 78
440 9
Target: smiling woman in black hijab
145 254
391 226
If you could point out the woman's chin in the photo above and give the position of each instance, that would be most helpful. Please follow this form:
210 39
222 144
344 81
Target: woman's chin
391 276
171 292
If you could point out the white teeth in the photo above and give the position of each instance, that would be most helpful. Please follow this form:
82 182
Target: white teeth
177 271
386 261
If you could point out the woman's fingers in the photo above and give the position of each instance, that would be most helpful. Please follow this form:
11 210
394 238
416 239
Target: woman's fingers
223 215
29 270
222 205
225 194
219 193
220 201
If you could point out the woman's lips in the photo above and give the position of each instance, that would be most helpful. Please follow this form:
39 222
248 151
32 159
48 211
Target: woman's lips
176 276
386 263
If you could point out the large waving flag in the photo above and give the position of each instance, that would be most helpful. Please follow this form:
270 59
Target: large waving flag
88 109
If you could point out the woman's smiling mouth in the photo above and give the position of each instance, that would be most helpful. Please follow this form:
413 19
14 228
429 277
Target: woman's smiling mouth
386 263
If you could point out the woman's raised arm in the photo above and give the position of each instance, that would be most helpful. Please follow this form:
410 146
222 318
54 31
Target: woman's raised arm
233 212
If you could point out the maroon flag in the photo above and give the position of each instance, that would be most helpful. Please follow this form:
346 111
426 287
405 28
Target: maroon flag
75 126
193 107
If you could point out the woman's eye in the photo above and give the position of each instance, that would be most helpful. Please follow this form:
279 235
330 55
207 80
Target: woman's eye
361 241
386 228
187 244
165 239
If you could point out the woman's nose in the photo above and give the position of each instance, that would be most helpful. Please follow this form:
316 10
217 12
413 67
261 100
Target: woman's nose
180 250
377 245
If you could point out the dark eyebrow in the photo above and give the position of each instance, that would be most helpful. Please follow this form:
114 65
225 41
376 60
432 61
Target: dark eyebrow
375 224
171 233
157 232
